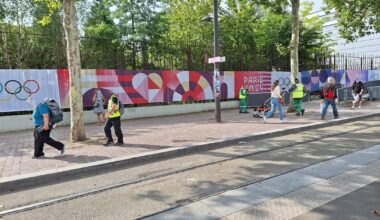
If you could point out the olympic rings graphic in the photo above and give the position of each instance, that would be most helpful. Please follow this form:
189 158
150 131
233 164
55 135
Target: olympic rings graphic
284 81
14 87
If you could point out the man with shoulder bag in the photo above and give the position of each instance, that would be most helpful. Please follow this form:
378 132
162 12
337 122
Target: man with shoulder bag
114 111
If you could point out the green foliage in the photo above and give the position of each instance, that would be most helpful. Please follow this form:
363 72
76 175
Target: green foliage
101 37
52 6
356 18
167 34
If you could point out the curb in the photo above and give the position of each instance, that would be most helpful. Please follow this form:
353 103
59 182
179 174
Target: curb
9 184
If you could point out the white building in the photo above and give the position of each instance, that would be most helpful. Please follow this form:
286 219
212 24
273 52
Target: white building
369 45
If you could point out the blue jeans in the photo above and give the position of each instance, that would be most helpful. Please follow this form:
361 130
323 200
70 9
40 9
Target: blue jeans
274 102
326 103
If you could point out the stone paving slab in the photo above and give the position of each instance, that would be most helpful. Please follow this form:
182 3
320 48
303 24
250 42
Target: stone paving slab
242 198
145 135
289 182
288 204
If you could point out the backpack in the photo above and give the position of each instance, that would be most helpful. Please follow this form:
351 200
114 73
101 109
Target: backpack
56 114
121 108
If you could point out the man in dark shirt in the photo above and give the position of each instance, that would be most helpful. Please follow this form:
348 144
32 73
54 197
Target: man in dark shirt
357 93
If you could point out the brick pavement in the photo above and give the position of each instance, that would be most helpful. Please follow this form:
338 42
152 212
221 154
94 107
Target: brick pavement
142 135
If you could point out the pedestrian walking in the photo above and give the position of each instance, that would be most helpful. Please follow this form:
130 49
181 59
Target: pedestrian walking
243 99
42 131
113 119
298 94
98 104
357 94
276 99
328 96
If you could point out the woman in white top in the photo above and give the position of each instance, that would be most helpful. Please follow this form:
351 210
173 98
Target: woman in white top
275 96
99 101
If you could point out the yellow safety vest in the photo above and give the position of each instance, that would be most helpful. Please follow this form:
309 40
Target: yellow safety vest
242 94
298 93
116 113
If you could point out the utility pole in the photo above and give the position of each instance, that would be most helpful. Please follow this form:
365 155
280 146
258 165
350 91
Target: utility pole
216 65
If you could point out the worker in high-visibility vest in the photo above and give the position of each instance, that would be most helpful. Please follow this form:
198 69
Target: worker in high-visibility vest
243 99
298 94
113 120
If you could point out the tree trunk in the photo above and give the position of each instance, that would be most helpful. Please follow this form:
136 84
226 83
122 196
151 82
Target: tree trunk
74 65
295 39
294 42
5 53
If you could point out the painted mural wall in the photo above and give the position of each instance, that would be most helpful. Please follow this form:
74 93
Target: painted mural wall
21 90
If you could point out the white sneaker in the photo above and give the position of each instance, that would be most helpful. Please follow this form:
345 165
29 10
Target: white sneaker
282 121
265 119
359 106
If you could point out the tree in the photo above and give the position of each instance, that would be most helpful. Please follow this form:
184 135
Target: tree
135 19
294 42
356 18
101 38
74 64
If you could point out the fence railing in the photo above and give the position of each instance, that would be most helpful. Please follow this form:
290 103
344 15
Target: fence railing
32 50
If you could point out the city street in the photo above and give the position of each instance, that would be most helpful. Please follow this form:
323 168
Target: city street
277 178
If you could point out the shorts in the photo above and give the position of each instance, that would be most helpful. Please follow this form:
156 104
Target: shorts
357 97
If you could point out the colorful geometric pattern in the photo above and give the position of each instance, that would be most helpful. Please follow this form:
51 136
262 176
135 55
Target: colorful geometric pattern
141 87
358 75
187 85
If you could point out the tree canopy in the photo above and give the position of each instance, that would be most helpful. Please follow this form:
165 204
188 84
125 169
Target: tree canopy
160 34
356 18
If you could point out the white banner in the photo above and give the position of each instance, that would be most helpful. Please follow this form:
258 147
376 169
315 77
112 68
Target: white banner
22 90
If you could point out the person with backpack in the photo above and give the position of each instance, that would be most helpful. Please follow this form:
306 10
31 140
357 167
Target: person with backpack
114 112
43 121
328 96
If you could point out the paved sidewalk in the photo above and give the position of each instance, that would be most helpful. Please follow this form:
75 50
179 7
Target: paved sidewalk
150 134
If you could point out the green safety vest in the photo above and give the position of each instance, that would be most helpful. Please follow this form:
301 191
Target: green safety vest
243 93
116 113
298 93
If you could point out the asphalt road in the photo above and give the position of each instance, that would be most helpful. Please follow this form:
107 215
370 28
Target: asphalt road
156 187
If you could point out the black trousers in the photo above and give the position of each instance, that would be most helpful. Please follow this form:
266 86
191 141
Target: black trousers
41 138
115 122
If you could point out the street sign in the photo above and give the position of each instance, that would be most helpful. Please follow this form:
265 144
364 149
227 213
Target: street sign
216 59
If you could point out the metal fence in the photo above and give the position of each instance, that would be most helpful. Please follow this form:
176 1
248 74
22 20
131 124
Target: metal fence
29 49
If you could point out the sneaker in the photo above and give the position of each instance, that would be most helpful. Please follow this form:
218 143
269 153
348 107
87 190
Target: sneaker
118 144
39 157
282 121
265 119
108 143
322 118
298 114
63 149
359 106
302 111
352 107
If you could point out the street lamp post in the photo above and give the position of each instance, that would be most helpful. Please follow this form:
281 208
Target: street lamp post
217 92
218 115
